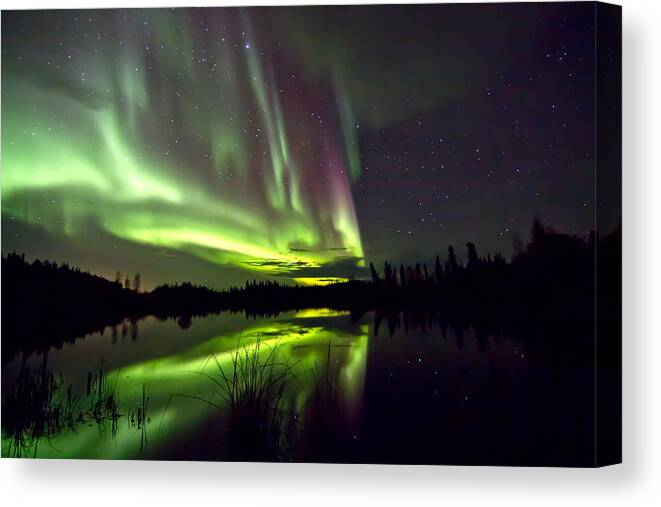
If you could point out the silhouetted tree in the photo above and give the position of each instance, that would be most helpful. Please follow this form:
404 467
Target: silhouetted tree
452 267
473 260
375 275
136 282
538 231
387 273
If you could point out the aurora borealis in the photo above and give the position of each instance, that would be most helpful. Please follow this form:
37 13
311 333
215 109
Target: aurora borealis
111 141
223 144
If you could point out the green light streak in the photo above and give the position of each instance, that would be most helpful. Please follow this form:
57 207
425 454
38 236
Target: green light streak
196 157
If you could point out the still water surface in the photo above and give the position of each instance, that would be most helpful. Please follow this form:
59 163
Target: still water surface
362 392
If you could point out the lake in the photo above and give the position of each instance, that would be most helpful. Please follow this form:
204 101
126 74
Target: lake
312 385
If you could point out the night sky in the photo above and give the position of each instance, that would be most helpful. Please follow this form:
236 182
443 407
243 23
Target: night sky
217 145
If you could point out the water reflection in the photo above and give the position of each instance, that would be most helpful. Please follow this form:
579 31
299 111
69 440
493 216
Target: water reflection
402 388
173 364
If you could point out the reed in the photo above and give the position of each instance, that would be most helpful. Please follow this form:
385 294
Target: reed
38 407
138 419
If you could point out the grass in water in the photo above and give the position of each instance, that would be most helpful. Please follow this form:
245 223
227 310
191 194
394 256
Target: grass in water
102 399
255 391
252 389
138 419
38 408
34 409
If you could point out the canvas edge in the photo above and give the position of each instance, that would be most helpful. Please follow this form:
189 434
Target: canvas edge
607 218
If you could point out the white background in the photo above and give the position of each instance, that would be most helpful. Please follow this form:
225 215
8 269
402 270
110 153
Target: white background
636 482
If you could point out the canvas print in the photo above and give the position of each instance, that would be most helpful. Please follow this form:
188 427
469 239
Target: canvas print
381 234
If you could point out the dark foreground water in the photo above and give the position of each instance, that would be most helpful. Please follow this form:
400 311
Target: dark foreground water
356 391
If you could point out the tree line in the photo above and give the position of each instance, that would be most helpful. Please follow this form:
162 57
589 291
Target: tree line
135 285
551 277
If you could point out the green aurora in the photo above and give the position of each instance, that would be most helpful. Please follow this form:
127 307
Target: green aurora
131 128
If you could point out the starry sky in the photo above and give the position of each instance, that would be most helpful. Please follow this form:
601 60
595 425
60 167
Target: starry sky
298 144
